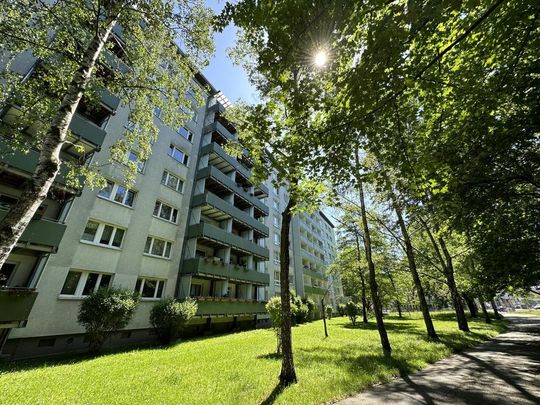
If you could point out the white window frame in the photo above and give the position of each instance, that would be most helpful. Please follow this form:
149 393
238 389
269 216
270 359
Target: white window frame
277 257
276 221
277 239
167 174
149 253
185 158
82 283
114 190
189 138
157 280
158 216
99 234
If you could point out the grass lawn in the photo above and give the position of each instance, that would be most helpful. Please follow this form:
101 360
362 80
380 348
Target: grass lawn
240 368
532 312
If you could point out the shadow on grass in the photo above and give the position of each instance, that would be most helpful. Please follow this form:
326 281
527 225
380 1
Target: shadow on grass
276 392
269 356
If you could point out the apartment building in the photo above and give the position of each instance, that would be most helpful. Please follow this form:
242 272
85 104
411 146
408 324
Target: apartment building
192 225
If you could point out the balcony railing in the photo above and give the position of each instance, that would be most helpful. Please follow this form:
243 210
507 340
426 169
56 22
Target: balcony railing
216 268
231 210
230 184
314 290
208 306
42 232
16 304
226 238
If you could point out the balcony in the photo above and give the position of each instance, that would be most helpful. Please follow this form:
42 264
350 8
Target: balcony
229 184
314 274
26 163
219 128
216 108
314 290
224 238
219 209
41 232
16 304
110 100
218 269
86 130
229 307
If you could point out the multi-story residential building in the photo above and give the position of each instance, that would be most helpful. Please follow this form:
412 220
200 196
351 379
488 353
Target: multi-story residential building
193 225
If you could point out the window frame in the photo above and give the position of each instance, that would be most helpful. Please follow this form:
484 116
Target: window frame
185 157
141 165
114 191
173 209
150 254
81 284
168 174
158 281
189 138
99 234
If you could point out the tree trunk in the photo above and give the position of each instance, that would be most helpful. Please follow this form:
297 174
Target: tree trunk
324 317
377 309
495 310
409 251
20 214
288 373
484 310
398 305
362 279
449 275
471 304
456 298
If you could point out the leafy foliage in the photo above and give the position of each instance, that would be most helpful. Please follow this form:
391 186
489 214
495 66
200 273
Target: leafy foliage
169 316
352 309
105 311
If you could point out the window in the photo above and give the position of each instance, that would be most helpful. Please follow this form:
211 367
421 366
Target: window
149 287
277 239
276 204
158 112
195 290
172 181
277 276
277 257
117 193
103 234
165 212
186 133
157 247
83 283
132 157
178 155
276 221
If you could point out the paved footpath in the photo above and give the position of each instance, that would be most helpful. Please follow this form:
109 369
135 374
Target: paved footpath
505 370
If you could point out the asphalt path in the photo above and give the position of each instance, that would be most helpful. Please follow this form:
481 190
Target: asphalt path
505 370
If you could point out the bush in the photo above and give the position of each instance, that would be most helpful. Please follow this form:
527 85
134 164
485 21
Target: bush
273 307
169 316
341 309
311 307
352 310
329 310
300 313
105 311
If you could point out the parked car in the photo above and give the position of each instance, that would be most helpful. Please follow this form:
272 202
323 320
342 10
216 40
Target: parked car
537 306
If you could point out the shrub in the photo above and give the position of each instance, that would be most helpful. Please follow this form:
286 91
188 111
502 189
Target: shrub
273 307
300 313
352 309
311 307
169 316
105 311
341 309
329 311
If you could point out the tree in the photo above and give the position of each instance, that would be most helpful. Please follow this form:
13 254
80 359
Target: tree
77 56
169 316
105 311
273 307
352 310
275 131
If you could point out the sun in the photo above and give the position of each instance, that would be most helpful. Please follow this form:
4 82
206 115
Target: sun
320 58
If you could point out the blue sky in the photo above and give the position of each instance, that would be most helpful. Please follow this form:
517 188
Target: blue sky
232 80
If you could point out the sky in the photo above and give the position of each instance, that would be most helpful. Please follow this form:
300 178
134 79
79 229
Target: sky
224 76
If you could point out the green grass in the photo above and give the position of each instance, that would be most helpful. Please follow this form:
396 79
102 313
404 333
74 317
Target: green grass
241 367
532 312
